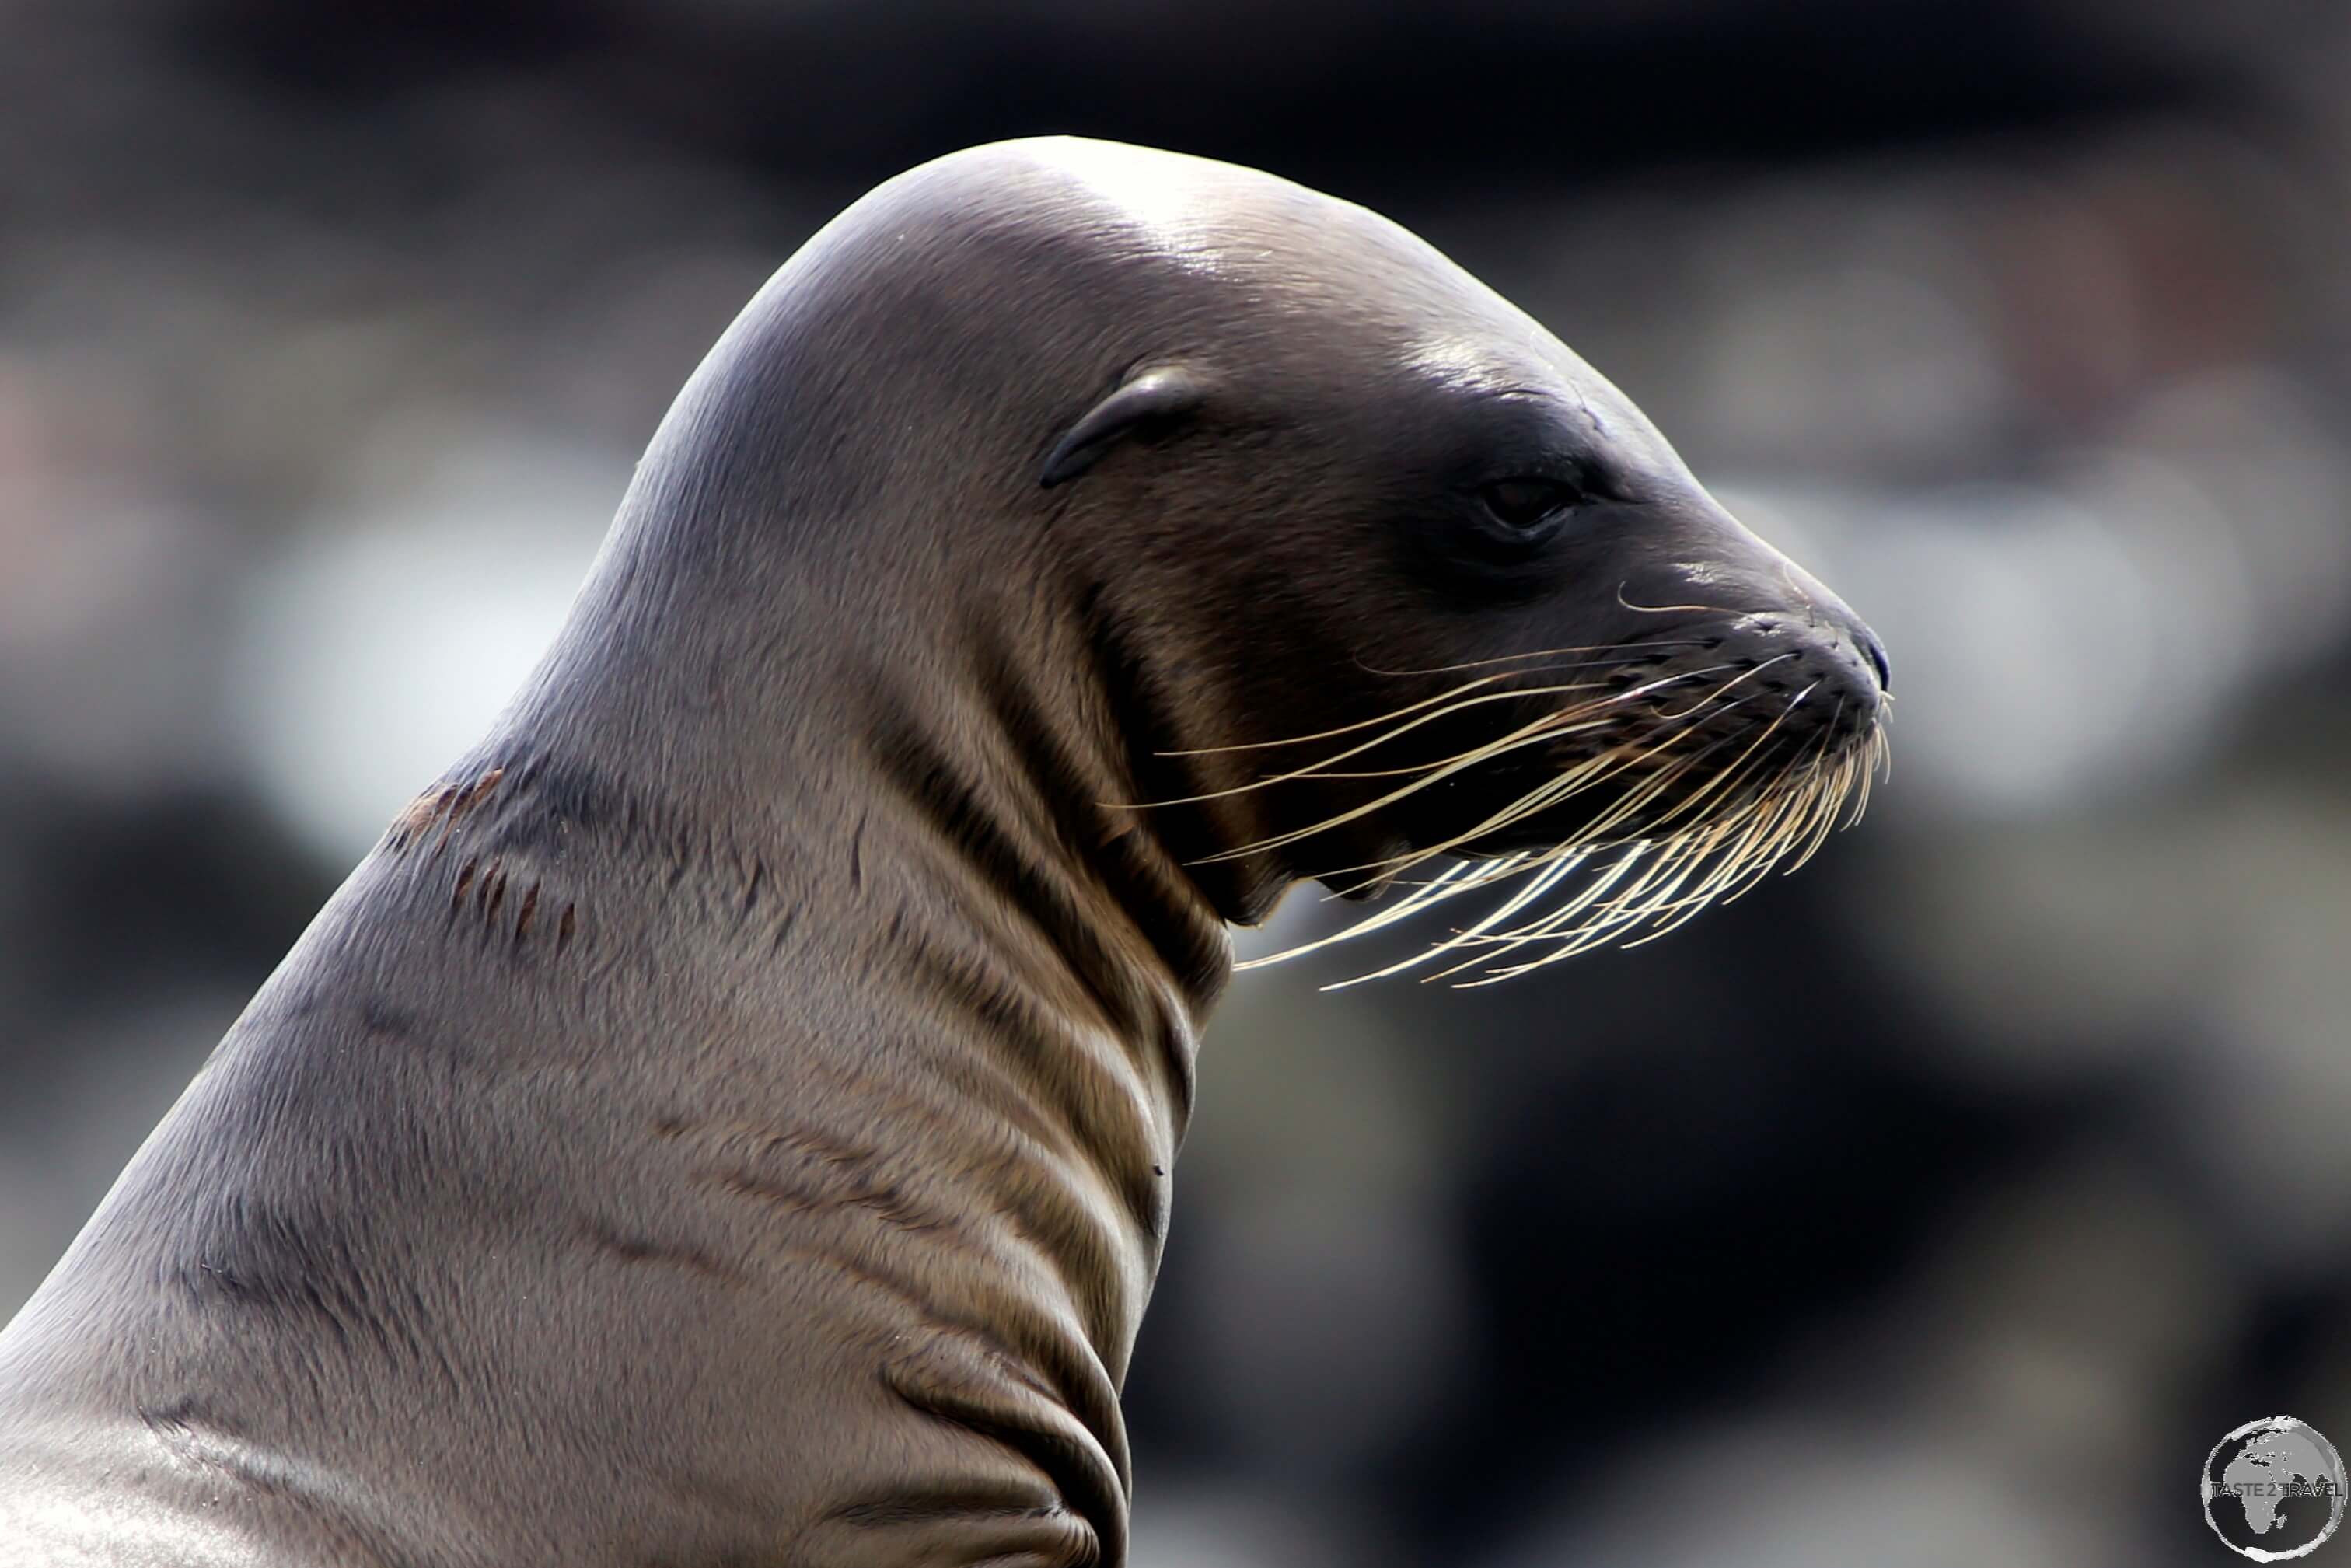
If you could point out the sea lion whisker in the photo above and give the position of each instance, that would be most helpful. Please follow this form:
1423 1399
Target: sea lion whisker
1592 832
1382 872
1540 728
1607 879
1725 782
1808 807
1556 862
1662 904
1549 792
1338 819
1547 653
1737 845
1485 752
1537 885
1623 810
1637 800
1670 609
1829 794
1614 924
1558 722
1692 907
1744 675
1556 949
1680 858
1447 883
1881 757
1552 921
1440 698
1537 728
1722 780
1764 830
1833 785
1629 906
1414 706
1776 814
1435 890
1860 796
1794 804
1754 875
1650 897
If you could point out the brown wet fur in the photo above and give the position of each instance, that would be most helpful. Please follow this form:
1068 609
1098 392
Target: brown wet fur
729 1119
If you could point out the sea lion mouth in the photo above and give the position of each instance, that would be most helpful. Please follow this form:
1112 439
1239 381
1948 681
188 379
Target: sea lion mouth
1647 787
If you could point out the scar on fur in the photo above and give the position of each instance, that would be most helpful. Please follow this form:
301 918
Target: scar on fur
445 806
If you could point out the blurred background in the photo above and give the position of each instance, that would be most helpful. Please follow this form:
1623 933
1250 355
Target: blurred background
1943 1205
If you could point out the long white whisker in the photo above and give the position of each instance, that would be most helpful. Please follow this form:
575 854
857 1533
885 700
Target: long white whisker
1697 813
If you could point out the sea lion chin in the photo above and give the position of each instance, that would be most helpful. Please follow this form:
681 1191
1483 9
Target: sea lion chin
729 1117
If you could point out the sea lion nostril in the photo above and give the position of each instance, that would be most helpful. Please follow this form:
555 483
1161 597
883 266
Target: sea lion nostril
1875 651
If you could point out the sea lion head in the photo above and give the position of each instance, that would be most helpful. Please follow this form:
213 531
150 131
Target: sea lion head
1351 570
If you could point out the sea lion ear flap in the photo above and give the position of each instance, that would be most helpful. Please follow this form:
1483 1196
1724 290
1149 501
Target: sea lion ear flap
1147 401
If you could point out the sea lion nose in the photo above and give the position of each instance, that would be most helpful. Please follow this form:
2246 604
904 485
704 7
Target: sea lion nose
1836 648
1832 619
1863 654
1874 650
1789 614
1834 660
1782 622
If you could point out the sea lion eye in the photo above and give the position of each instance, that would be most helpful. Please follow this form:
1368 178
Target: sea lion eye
1529 503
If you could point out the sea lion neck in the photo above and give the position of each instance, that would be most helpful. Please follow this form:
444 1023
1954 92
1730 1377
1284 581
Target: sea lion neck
912 729
856 681
883 853
840 605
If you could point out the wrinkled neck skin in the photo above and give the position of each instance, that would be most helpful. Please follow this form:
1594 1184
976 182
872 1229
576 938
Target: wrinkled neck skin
890 813
734 1110
912 740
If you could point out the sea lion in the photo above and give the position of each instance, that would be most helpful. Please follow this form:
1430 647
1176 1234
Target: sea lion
729 1118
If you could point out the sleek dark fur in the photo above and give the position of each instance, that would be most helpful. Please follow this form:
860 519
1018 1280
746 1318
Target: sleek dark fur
729 1119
